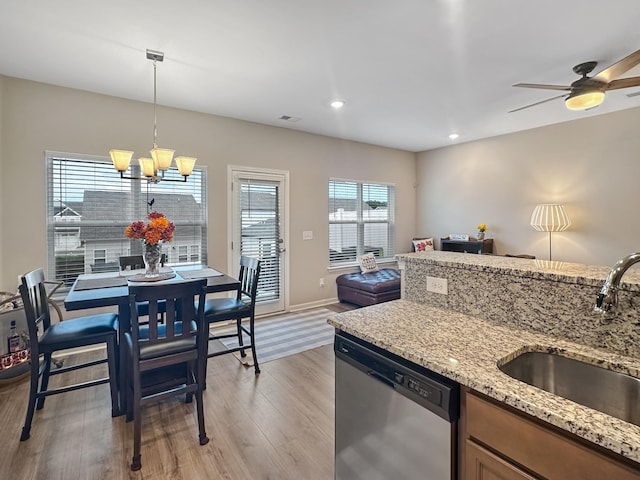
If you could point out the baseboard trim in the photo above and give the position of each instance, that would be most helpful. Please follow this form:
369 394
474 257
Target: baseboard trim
317 303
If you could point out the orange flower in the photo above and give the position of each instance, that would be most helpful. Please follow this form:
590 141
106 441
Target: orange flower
158 229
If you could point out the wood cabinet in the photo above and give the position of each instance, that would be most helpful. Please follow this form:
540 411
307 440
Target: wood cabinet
471 246
499 443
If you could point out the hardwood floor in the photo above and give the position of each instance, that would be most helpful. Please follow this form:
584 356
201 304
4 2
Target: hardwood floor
279 425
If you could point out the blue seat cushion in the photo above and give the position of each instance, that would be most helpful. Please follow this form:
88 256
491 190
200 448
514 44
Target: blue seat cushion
226 307
158 349
78 331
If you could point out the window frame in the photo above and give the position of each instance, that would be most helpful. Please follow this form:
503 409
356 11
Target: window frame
67 185
361 222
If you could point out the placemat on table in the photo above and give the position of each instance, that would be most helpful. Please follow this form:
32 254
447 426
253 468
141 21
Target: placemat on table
104 282
200 273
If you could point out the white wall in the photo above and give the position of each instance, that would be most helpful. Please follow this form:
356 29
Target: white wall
591 165
39 117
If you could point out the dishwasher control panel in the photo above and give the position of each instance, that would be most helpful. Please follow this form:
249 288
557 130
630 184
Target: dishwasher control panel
429 392
427 388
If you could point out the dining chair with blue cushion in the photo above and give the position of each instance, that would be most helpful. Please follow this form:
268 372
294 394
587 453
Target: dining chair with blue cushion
46 338
243 306
136 262
166 358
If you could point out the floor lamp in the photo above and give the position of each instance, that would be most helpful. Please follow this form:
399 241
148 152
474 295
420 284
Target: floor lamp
550 217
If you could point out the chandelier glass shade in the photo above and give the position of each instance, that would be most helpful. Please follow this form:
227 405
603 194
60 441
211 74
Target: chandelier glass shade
153 169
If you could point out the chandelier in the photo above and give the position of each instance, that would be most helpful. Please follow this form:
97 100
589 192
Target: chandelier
155 167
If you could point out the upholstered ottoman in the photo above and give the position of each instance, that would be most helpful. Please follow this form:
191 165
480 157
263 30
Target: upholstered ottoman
369 288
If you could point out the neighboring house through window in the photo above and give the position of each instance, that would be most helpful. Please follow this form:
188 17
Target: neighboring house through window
361 220
89 206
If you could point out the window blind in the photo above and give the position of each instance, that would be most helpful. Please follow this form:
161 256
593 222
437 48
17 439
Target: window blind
89 206
260 231
361 220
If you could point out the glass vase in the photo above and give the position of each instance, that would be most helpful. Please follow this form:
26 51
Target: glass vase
152 259
480 236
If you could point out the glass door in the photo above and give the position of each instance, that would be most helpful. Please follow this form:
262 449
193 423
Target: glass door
258 229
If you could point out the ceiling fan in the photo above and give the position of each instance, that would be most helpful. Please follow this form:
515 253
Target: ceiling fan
588 92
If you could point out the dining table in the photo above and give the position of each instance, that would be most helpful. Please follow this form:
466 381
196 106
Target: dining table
96 290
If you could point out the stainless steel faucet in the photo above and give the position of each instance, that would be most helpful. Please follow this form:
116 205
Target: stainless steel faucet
608 297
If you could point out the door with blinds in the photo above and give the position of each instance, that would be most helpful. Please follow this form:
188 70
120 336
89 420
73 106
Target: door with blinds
259 231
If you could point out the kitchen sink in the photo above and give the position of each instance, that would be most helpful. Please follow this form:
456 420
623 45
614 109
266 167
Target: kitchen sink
607 391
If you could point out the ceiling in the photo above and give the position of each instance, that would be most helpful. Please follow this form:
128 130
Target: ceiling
411 71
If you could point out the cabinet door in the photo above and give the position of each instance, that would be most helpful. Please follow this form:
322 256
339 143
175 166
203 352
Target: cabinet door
484 465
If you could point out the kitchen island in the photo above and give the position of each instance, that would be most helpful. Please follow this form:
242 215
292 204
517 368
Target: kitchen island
468 349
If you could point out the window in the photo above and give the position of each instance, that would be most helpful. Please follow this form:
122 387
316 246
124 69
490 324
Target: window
195 253
361 220
182 254
99 256
89 206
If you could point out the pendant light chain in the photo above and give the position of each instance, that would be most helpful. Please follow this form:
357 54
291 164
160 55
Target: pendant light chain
155 106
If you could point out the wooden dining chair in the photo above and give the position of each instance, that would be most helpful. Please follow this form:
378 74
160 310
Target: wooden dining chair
243 306
46 337
136 262
169 358
131 262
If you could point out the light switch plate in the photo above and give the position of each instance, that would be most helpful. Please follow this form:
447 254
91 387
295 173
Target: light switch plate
307 235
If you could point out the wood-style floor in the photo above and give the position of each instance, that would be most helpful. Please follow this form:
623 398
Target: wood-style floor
278 425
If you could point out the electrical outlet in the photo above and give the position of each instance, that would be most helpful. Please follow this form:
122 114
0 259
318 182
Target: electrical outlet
437 285
322 282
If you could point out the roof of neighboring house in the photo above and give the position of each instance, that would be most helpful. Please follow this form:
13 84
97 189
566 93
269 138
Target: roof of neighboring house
68 209
103 211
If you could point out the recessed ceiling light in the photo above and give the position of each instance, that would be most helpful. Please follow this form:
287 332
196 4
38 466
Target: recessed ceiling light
453 136
337 104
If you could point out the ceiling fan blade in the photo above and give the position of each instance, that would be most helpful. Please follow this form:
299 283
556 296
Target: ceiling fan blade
624 83
614 71
545 87
537 103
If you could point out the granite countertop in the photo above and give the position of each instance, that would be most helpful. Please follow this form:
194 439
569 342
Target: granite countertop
579 273
467 349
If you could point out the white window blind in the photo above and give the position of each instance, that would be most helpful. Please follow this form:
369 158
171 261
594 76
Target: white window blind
89 206
361 220
260 231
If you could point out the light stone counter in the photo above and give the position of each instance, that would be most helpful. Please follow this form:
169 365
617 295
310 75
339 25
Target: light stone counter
467 349
566 272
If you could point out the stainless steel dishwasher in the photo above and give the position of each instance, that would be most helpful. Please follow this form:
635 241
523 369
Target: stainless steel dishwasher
394 419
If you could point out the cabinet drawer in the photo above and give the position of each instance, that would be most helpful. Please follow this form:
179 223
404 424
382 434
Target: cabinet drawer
538 449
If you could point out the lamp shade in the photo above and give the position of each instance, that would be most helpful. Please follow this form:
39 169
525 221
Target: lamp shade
120 159
185 165
162 157
550 217
147 167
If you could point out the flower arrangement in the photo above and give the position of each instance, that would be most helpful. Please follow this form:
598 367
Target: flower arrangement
482 227
158 229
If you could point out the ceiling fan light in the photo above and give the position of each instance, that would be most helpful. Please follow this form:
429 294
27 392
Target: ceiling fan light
584 100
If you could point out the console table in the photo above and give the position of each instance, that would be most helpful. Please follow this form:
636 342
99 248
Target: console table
471 246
